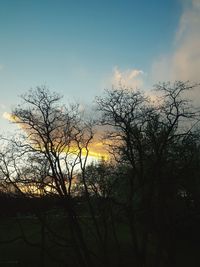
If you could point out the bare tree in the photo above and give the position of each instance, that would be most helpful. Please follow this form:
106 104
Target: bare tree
143 135
52 148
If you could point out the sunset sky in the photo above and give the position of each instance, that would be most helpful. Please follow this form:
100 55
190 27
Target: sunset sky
80 47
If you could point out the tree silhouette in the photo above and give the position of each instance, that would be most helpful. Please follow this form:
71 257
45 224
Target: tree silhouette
145 136
129 210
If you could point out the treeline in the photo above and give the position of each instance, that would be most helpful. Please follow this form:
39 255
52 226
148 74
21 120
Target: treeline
130 210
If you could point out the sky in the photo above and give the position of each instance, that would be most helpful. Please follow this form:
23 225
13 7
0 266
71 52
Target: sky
80 47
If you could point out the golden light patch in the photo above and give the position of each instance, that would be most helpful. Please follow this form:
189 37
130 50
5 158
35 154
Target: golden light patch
10 117
97 150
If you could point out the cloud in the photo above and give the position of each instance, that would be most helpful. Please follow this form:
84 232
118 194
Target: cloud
132 78
183 63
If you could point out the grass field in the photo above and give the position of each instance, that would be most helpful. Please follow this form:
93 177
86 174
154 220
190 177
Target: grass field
21 241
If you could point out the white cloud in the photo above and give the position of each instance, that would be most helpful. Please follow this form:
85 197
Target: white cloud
184 62
131 78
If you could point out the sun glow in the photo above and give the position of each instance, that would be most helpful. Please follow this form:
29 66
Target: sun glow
98 151
96 148
10 117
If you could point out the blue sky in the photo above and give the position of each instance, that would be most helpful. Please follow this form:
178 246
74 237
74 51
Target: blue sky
79 47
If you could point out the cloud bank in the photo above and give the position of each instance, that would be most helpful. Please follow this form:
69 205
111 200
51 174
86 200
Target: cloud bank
184 62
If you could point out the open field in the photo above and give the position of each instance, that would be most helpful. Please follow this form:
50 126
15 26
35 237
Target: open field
24 242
